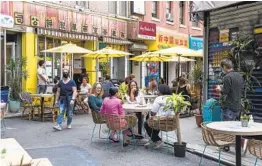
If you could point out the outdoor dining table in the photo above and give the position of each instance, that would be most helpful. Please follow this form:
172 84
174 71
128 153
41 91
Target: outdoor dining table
235 128
136 108
150 97
42 96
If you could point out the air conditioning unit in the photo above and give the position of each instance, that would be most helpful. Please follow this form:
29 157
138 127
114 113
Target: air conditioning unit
169 17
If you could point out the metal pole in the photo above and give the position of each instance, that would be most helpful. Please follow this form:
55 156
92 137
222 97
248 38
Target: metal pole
72 66
45 49
5 55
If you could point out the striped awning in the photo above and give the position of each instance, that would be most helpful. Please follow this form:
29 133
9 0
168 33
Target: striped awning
70 35
116 41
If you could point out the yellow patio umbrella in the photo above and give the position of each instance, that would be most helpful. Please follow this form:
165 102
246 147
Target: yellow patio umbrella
179 51
68 48
106 53
179 59
149 57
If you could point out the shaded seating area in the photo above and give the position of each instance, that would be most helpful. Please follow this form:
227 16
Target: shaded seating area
28 106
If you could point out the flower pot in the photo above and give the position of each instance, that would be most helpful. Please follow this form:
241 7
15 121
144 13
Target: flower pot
244 123
14 106
198 119
180 150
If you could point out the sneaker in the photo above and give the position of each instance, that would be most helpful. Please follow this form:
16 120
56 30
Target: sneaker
158 144
57 127
149 144
69 126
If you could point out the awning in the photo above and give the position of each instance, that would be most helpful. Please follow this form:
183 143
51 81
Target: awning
56 33
200 6
138 47
116 41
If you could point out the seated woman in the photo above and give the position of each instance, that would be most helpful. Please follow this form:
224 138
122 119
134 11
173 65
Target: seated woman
113 106
184 87
157 110
85 88
133 96
95 99
152 86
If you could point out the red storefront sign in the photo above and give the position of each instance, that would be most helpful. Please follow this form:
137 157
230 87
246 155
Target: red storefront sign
146 31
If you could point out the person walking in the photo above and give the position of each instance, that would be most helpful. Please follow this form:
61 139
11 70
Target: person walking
231 91
65 98
42 77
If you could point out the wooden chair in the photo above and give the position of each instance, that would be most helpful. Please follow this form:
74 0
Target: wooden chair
98 119
80 105
212 138
119 124
165 124
28 105
255 148
50 110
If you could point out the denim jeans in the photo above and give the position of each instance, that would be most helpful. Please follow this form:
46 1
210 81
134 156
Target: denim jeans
229 115
65 107
42 88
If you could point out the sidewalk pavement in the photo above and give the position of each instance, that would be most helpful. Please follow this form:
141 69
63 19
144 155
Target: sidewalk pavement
192 135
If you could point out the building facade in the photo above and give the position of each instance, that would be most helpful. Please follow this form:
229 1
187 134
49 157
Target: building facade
42 25
161 24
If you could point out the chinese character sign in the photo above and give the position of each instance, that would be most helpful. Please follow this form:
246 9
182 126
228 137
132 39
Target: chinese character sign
34 21
49 23
19 18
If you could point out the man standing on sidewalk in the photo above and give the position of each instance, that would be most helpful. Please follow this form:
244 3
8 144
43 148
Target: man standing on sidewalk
42 77
232 89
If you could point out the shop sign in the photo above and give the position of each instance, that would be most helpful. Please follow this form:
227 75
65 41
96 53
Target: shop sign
171 40
34 21
147 30
6 21
195 43
122 35
224 35
95 30
73 27
19 18
62 25
85 29
104 32
258 30
49 23
114 34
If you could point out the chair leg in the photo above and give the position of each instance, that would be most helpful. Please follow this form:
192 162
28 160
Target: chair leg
100 131
93 133
121 136
256 162
219 155
167 142
202 155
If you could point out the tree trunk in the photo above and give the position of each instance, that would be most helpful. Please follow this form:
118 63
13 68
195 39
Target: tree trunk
179 140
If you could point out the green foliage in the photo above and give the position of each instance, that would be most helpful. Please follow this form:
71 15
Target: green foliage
196 73
245 55
3 151
177 103
16 72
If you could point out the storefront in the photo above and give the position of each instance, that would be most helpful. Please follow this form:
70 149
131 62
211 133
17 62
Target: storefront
166 38
45 27
220 29
195 43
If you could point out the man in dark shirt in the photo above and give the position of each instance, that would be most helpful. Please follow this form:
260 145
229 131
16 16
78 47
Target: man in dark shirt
232 89
107 84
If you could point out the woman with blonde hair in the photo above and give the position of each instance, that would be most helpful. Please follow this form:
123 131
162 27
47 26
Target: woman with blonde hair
95 99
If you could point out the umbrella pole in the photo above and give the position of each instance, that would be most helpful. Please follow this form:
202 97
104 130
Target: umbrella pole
97 68
72 66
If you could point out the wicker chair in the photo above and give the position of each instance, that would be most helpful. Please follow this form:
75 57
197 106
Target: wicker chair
255 148
215 139
50 110
28 105
98 119
164 123
119 124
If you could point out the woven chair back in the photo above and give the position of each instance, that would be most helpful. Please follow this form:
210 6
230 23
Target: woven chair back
115 122
255 148
25 97
97 118
163 123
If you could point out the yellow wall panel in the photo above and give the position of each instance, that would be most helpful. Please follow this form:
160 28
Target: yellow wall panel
90 63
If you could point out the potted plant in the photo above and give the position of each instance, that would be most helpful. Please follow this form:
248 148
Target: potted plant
3 152
178 104
196 75
245 55
244 120
16 72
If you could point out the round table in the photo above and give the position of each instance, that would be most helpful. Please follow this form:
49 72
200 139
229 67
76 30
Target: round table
136 108
235 128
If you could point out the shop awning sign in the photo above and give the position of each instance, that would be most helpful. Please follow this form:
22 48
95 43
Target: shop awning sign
146 31
6 21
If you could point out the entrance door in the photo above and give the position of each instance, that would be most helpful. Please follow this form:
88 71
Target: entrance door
5 60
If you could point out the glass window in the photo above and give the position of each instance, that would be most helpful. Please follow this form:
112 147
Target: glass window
82 3
155 9
122 8
181 12
112 5
169 14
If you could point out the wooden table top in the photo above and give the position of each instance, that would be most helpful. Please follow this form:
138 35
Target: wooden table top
235 128
14 153
41 95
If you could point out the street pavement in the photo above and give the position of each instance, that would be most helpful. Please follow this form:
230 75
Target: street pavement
72 147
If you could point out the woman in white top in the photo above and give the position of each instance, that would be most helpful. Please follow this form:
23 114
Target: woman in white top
85 88
133 96
158 110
